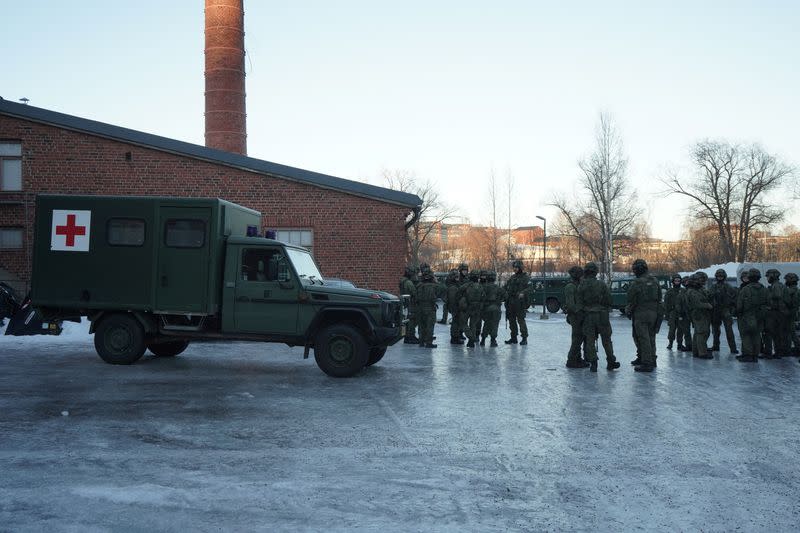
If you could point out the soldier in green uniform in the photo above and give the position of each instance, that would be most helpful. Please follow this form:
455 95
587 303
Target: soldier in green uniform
644 298
700 313
723 300
463 273
517 303
427 293
409 287
751 305
776 324
594 298
684 322
792 306
452 285
494 296
574 319
472 296
671 311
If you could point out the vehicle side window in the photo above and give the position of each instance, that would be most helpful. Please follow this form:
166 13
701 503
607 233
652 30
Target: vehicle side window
185 233
125 232
262 264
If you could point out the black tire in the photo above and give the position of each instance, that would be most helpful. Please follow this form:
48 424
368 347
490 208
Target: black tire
168 349
375 355
119 340
341 351
553 305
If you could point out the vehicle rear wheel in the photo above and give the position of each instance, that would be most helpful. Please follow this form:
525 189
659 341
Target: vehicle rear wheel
340 351
168 349
553 305
119 340
375 355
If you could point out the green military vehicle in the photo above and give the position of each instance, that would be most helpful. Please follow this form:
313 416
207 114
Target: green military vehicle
548 291
158 273
619 290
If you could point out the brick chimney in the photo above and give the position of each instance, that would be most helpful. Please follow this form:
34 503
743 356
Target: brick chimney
226 125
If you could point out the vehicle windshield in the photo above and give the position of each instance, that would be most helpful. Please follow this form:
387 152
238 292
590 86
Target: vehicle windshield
304 265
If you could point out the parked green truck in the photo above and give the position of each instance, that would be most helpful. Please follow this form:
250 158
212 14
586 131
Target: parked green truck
155 273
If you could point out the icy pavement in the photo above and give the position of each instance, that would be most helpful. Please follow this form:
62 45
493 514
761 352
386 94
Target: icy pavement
248 436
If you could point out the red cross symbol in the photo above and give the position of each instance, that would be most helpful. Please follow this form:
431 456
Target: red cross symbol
70 230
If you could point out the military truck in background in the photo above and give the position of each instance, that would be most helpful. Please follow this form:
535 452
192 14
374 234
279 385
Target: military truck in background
155 273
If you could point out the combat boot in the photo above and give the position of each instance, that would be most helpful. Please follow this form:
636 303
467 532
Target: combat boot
483 340
580 363
747 358
471 344
493 343
456 340
681 348
715 348
593 366
637 361
411 340
734 350
669 346
512 340
612 365
644 368
707 355
430 345
524 340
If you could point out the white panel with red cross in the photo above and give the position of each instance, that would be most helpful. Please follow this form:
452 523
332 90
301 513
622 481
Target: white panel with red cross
70 231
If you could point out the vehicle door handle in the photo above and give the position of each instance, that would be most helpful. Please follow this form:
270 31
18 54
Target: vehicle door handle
242 299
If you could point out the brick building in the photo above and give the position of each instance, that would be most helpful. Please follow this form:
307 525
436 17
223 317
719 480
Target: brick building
355 230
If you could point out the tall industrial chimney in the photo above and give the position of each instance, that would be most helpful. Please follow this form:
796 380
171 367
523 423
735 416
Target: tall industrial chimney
226 127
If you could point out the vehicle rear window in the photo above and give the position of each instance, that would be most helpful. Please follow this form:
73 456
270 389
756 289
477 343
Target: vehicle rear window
185 233
125 232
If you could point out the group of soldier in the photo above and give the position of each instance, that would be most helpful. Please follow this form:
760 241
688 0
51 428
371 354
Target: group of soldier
472 298
693 309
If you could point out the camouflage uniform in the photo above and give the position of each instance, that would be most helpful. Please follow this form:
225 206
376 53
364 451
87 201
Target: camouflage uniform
575 317
594 298
792 298
472 295
776 330
671 311
517 303
491 309
684 323
407 286
723 300
751 305
452 286
700 313
644 299
427 293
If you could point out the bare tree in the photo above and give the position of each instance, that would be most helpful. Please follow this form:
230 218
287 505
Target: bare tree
605 206
494 234
728 192
432 214
509 202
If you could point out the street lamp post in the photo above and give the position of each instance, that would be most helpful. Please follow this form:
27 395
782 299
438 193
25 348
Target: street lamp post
544 314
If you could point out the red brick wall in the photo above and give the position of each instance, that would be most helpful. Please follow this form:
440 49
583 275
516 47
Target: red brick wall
355 238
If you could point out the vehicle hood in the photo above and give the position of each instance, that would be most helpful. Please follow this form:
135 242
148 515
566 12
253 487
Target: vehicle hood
351 292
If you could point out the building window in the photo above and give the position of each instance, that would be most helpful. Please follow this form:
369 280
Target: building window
10 238
298 237
186 233
125 232
10 166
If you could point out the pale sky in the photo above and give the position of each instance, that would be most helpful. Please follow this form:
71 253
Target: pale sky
445 89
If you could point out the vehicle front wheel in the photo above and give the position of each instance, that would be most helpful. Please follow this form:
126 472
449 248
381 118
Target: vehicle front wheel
119 340
553 306
375 355
168 349
340 351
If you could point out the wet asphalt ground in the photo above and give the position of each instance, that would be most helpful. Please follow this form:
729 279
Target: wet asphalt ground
251 437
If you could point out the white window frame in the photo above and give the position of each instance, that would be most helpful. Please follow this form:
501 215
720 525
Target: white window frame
10 151
297 236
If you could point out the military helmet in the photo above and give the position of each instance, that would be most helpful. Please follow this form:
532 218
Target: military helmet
591 268
409 271
676 276
463 266
791 278
516 264
639 267
427 276
754 274
482 275
773 273
491 276
685 281
575 271
702 276
721 272
424 267
474 275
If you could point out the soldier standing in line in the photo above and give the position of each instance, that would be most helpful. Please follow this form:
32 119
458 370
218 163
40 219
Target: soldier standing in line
517 303
575 319
482 277
743 281
751 304
684 322
473 297
463 273
452 286
723 300
700 314
671 311
775 326
594 298
409 287
427 293
445 305
792 306
491 309
644 299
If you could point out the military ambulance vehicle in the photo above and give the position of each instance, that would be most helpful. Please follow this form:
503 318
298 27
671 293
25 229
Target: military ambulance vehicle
156 273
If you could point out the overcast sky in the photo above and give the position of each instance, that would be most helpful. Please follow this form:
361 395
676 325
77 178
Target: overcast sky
448 90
